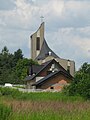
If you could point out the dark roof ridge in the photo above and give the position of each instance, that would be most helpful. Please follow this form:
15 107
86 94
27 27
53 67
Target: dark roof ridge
44 66
51 75
47 63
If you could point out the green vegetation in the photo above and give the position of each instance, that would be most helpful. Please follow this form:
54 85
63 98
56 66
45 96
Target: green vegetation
51 115
42 106
72 104
13 67
5 112
37 96
81 83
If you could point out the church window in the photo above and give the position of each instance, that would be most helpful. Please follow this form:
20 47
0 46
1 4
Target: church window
38 43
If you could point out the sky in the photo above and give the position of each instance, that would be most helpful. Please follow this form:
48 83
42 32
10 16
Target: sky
67 26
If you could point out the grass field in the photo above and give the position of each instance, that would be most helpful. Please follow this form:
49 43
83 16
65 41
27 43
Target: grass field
15 105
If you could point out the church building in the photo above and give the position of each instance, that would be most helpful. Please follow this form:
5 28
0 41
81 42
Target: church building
53 72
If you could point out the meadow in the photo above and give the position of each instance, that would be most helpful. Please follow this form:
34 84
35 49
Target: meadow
15 105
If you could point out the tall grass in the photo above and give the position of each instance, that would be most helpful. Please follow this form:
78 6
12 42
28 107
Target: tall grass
16 105
49 110
51 116
5 112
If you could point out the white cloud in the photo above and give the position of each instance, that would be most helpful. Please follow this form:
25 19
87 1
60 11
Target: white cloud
7 5
2 23
27 14
84 45
67 25
69 43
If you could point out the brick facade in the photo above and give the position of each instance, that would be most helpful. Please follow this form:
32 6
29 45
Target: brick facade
56 83
51 77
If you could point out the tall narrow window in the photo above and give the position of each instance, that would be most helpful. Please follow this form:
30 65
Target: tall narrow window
38 43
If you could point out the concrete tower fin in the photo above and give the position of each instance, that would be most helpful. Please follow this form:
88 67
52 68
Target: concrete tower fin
37 39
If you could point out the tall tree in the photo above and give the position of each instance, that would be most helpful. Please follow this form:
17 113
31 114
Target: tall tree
18 54
5 51
13 67
22 67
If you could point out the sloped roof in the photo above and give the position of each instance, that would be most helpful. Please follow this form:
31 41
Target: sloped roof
43 80
43 66
44 52
30 77
35 68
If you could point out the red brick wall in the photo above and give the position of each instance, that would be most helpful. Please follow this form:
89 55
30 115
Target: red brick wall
57 83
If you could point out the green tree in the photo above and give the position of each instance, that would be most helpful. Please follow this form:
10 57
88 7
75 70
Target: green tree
13 67
81 82
5 51
5 65
17 55
22 67
85 68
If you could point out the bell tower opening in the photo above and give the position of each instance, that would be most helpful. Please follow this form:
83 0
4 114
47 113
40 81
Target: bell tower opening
37 43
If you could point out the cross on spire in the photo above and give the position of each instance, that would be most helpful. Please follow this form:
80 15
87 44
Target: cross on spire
42 18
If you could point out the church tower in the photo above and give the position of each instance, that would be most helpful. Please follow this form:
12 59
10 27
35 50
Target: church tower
36 41
41 52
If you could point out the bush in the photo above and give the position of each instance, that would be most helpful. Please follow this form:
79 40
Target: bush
10 92
81 88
